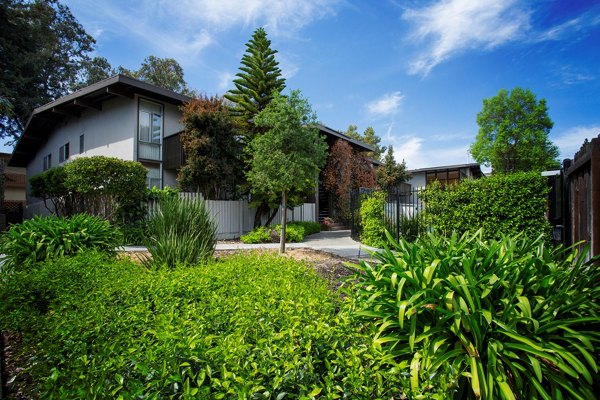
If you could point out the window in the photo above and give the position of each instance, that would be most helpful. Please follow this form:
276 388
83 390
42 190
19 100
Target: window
150 130
81 145
47 162
63 153
153 178
447 177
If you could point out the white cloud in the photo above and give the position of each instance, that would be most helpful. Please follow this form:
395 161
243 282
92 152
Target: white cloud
388 104
280 17
453 26
225 80
569 142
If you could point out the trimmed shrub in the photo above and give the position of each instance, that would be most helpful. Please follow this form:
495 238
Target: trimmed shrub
181 232
262 234
470 318
500 205
372 220
249 326
42 238
104 186
294 232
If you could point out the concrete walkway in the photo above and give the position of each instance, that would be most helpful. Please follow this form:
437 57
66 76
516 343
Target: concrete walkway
338 243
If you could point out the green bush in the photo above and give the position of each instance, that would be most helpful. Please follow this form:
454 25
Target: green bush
246 327
500 205
181 231
262 234
104 186
372 220
411 227
469 318
42 238
294 232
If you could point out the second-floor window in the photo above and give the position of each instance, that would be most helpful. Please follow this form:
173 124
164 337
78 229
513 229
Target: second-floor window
63 153
150 130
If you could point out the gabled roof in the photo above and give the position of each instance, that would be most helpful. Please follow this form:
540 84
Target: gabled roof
357 144
45 117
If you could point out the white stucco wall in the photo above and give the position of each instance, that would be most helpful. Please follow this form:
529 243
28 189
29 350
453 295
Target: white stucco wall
172 117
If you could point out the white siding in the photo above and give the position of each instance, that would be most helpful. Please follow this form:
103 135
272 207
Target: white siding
172 117
417 180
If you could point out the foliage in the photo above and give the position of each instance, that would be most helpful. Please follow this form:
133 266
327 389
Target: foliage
410 227
181 232
210 140
391 174
470 318
500 205
372 220
42 50
257 82
261 234
296 231
250 326
289 155
94 70
369 137
346 170
105 186
162 72
43 238
513 133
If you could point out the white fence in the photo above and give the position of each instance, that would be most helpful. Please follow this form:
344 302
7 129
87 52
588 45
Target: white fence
235 217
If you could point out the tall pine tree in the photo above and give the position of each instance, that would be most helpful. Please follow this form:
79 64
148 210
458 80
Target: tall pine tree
258 79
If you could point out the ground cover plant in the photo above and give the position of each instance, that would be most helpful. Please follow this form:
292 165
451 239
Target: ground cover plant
181 231
42 238
296 231
496 319
250 326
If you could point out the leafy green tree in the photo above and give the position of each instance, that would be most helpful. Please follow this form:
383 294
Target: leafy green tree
210 140
369 137
391 174
94 70
42 50
256 83
163 72
513 133
289 155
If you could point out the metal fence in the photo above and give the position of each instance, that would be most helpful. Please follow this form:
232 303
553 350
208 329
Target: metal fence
402 212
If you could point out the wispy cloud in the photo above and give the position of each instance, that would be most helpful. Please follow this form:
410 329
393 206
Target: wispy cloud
411 149
453 26
280 17
386 105
225 80
565 29
569 141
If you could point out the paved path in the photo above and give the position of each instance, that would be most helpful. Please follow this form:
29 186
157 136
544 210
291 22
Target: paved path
335 242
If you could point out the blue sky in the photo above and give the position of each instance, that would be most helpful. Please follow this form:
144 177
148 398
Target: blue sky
416 71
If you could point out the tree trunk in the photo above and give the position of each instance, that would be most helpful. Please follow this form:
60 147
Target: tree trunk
271 217
283 222
261 210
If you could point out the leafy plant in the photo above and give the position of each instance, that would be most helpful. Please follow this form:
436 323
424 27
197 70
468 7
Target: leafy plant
471 318
500 205
410 228
249 326
42 238
261 234
372 220
181 231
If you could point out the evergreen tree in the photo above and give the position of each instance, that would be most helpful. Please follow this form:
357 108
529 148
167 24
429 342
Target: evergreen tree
391 174
259 78
368 137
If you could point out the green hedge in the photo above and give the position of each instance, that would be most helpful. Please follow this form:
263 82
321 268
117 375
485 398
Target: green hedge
500 205
372 220
295 232
246 327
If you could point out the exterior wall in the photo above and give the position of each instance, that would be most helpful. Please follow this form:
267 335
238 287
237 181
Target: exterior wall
172 117
15 184
170 178
417 180
109 132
